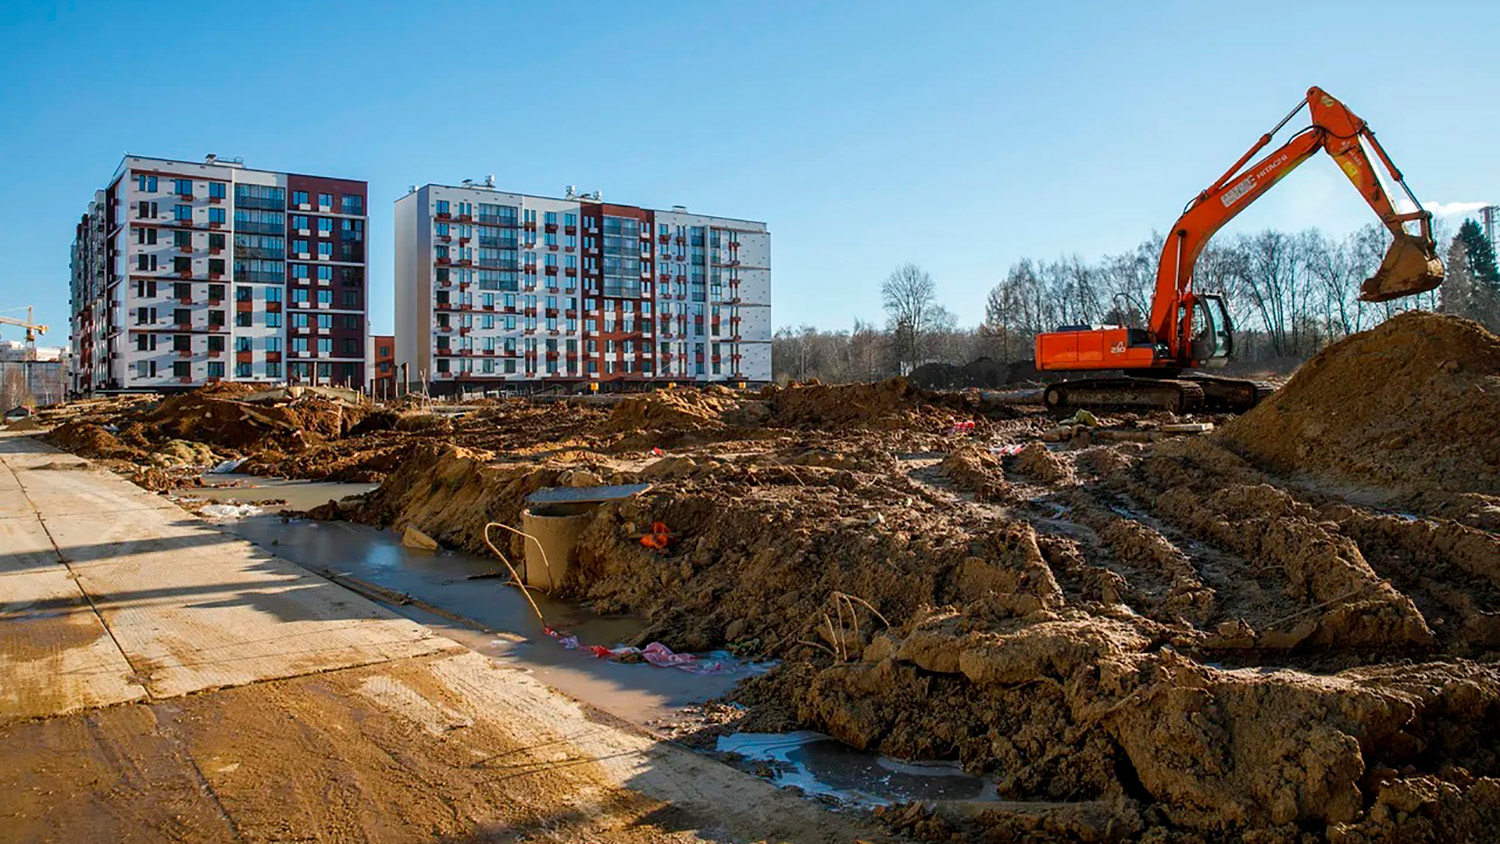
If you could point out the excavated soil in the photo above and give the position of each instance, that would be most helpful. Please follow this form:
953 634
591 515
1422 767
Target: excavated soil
1221 638
1409 405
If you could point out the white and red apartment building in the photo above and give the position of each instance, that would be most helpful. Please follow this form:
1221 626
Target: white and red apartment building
496 289
187 273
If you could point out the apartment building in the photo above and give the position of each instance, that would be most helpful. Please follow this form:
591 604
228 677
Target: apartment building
186 273
495 288
382 374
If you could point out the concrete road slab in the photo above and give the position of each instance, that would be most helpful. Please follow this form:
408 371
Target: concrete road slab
191 608
55 654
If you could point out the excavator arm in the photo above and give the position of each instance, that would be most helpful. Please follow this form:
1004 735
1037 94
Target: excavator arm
1411 265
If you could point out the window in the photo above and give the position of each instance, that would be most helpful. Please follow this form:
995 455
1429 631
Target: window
181 239
183 187
216 267
146 210
351 298
216 218
273 369
146 184
299 197
182 290
273 344
299 296
299 320
182 213
350 321
241 369
352 204
570 219
273 319
299 345
145 236
216 369
325 250
299 247
216 319
273 294
299 221
215 241
216 190
442 206
325 297
325 345
243 293
551 218
351 347
325 274
140 341
299 272
325 200
325 226
181 264
145 262
182 369
242 318
325 322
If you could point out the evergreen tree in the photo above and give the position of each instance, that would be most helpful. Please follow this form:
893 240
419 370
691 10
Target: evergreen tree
1480 253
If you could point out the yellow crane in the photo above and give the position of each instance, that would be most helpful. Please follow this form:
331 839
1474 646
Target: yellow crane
32 328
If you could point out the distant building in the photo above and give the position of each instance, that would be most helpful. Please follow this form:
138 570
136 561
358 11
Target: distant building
186 273
32 374
506 289
383 365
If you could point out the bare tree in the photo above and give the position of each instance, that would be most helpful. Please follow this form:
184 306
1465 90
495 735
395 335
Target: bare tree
910 298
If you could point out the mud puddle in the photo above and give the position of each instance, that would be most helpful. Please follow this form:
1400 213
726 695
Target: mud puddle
825 767
491 617
251 489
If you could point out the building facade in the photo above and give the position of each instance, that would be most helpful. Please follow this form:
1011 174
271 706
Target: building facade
187 273
383 366
496 288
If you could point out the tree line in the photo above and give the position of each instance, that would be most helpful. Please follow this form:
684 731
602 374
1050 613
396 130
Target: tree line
1289 295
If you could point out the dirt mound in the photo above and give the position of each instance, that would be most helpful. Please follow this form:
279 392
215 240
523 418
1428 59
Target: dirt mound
669 410
214 415
889 404
87 440
1411 404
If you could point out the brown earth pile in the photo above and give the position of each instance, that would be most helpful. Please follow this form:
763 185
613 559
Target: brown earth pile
220 417
669 410
1411 404
889 404
88 440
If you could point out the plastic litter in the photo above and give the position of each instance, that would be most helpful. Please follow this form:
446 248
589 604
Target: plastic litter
959 428
1082 417
655 653
228 466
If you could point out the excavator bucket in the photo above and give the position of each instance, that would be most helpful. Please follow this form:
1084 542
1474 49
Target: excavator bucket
1411 266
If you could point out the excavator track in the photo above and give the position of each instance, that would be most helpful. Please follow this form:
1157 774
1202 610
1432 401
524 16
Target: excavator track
1197 394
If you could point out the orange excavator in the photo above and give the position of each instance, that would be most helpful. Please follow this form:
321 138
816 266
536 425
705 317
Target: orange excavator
1191 330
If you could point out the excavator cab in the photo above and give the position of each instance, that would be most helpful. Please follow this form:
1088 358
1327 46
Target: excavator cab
1213 334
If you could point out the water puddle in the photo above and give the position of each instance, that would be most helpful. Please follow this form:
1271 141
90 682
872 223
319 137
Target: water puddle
500 624
478 610
253 489
826 767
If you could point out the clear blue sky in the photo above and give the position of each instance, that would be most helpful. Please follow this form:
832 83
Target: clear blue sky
959 136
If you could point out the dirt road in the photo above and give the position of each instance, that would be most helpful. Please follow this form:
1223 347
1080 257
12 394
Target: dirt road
160 681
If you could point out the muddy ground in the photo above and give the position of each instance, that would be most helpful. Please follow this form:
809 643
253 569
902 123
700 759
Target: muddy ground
1283 630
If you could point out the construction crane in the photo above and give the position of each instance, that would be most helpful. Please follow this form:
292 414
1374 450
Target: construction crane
1189 329
32 328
